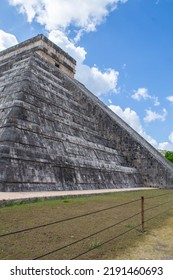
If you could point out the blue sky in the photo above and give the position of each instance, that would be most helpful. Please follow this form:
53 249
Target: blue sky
123 48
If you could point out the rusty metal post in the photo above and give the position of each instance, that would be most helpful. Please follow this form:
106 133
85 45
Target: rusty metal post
142 214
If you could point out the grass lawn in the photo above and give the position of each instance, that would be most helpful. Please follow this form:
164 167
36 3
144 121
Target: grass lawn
155 243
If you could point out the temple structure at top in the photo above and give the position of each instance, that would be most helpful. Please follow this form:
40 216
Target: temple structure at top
46 49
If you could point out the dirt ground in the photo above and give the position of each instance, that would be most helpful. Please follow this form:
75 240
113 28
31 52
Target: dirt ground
155 243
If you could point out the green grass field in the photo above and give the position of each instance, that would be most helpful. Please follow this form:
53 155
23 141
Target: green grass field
113 243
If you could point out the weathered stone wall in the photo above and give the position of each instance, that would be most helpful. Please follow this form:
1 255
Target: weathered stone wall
56 135
152 165
49 138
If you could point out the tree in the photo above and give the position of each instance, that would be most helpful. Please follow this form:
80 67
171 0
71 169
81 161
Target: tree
169 156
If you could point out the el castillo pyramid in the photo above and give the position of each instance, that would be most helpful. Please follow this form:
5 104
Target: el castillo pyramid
56 135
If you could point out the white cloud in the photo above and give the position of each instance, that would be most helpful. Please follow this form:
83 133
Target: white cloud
6 40
155 100
171 137
95 80
169 98
30 7
58 17
60 14
128 115
152 116
167 145
59 38
142 93
132 118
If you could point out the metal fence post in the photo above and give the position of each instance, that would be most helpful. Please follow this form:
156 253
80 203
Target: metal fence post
142 214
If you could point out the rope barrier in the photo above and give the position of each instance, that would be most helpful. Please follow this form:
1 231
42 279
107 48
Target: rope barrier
158 215
149 197
68 219
97 232
109 240
105 242
86 237
158 205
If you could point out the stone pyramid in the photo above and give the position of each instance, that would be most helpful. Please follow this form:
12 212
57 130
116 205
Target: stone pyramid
56 135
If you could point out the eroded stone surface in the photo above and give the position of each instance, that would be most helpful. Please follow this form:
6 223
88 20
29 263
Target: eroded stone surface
56 135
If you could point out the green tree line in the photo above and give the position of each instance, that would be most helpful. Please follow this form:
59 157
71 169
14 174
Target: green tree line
169 156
